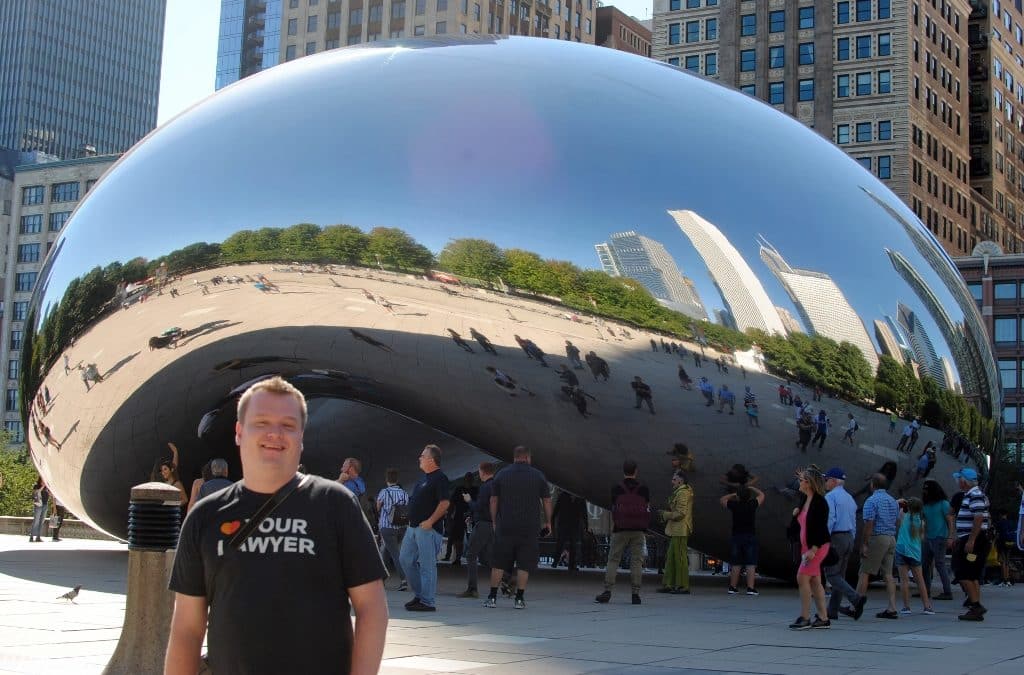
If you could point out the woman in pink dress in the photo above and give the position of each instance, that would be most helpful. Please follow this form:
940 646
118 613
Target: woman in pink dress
814 545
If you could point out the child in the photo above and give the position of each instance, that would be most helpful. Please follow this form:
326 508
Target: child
752 413
908 552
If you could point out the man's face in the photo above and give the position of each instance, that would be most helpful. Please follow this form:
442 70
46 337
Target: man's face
426 461
270 437
347 468
830 483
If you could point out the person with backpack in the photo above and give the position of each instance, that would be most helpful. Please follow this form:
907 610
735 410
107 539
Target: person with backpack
678 519
393 507
481 539
631 516
851 428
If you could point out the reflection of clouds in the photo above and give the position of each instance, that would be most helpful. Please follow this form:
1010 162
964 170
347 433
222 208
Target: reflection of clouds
745 298
976 363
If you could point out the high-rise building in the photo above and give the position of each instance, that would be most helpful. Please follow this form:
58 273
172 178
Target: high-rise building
258 34
920 343
44 195
744 296
628 254
887 81
789 321
822 306
79 78
618 30
887 341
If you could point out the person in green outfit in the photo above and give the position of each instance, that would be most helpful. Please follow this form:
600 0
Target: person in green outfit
678 526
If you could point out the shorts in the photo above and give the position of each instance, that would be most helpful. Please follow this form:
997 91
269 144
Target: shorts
878 561
902 560
970 570
744 550
516 552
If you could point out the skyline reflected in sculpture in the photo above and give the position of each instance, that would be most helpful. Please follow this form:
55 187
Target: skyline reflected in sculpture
397 279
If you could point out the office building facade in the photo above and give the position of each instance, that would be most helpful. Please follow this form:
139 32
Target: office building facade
43 197
618 30
258 34
79 78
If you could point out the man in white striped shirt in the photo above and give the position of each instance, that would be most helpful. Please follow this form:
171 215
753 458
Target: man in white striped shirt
971 548
391 534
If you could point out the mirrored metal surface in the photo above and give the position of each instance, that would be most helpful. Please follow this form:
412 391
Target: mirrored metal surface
238 240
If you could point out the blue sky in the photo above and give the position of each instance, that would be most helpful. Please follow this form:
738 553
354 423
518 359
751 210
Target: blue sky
190 50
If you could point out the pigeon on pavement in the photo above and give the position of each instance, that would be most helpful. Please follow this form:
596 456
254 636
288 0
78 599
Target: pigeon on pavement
71 595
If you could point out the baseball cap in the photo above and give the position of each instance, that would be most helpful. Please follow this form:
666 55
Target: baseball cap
966 474
836 472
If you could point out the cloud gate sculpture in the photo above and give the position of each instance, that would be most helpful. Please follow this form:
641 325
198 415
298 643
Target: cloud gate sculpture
414 232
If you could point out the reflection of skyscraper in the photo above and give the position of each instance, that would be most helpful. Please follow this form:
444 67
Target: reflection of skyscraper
947 372
633 255
789 321
887 341
725 318
822 306
741 290
920 343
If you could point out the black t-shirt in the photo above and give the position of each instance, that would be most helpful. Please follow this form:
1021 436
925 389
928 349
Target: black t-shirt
743 515
212 485
519 488
431 490
280 602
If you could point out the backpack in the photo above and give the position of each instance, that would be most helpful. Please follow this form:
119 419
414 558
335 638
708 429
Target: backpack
400 515
630 511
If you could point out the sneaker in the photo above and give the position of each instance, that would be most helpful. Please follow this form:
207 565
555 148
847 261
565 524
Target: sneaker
733 590
972 615
664 589
636 598
888 614
752 591
906 611
603 598
943 596
419 606
929 611
800 624
468 593
411 603
404 586
819 623
519 603
858 609
491 602
847 611
680 591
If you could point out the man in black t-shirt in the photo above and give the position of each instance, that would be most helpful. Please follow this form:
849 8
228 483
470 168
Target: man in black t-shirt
744 504
519 491
278 602
428 502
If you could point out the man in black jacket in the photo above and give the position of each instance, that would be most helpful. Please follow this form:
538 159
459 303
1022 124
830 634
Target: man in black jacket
481 541
570 516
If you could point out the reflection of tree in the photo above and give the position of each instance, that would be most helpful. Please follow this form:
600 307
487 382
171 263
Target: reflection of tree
817 360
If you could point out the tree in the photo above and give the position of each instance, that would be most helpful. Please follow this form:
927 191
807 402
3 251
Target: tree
525 270
17 477
396 249
299 242
473 258
239 246
342 243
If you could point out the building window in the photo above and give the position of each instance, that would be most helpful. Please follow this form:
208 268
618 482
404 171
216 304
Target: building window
863 132
884 44
418 30
20 310
1008 373
673 33
476 11
711 3
843 12
693 31
777 21
440 28
1006 290
24 281
28 253
334 44
32 224
806 18
11 403
806 90
843 49
863 84
842 86
293 4
673 6
711 64
16 337
442 5
13 369
289 52
806 53
863 46
355 17
1010 416
842 134
884 81
376 12
32 195
312 23
334 18
64 192
421 7
1005 330
13 428
885 11
692 4
711 29
885 130
693 63
748 24
748 89
672 61
90 183
310 48
748 60
293 26
864 162
398 9
776 93
776 57
863 10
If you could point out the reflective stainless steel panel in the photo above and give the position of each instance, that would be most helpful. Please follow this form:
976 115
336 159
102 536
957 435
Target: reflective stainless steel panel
726 209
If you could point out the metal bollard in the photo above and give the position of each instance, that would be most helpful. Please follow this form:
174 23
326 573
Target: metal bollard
153 524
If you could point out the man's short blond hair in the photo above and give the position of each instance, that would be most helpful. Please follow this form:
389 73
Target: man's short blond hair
354 463
274 385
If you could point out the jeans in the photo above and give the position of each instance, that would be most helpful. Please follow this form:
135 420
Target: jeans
842 544
934 551
481 542
392 539
420 549
634 541
38 516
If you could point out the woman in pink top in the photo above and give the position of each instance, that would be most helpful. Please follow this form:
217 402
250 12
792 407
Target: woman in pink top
814 546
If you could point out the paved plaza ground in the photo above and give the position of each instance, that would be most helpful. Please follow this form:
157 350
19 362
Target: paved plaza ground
561 631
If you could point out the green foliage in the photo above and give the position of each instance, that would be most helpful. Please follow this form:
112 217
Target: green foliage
193 257
17 477
474 258
341 244
397 250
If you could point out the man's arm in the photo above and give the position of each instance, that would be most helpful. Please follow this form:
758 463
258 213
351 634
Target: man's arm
758 495
866 534
438 514
371 609
546 501
494 509
979 518
727 498
188 627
